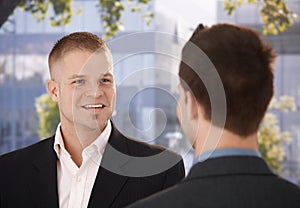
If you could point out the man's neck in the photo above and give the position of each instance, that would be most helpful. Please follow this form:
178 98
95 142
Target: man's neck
222 139
76 140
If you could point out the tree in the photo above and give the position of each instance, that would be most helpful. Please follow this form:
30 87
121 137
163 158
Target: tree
271 139
274 14
6 9
48 114
110 10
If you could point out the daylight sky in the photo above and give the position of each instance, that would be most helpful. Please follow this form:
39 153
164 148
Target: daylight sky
188 13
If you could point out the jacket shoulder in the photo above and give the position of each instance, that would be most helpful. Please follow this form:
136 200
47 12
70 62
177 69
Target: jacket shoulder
154 152
26 154
136 147
139 147
146 156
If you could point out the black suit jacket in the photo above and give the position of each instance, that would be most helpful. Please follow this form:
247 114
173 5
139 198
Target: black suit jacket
238 181
28 177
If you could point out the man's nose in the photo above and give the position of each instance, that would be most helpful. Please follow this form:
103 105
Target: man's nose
94 91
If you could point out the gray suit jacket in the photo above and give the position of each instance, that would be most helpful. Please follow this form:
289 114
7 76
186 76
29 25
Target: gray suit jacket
28 176
237 181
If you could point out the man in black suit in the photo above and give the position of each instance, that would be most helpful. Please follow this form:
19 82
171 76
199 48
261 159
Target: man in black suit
88 162
232 79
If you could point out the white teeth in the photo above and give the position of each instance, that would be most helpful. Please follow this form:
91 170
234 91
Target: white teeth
93 106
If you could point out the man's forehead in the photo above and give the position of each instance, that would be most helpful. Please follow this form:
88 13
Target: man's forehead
87 53
84 63
87 59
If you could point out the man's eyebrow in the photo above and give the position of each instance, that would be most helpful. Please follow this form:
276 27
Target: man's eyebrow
108 74
75 76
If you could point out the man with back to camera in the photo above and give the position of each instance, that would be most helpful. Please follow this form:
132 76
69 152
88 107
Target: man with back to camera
230 171
64 170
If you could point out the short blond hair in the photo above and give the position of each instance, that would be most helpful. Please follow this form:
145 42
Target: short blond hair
84 41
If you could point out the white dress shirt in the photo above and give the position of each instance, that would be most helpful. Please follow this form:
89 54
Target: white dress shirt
75 184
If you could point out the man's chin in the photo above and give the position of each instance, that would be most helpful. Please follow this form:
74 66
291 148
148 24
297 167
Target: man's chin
92 122
88 126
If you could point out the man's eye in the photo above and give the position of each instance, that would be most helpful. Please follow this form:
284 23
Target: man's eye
106 81
79 81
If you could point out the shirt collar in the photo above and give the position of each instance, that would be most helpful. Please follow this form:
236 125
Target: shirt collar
58 142
227 152
99 144
101 141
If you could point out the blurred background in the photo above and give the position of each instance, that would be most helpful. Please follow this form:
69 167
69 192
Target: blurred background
143 81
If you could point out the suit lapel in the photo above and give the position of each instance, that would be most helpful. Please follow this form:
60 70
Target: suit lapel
108 184
43 180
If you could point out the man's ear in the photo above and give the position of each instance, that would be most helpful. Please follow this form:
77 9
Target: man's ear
52 88
191 105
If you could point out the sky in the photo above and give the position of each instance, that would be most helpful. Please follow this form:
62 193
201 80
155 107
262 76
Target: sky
189 13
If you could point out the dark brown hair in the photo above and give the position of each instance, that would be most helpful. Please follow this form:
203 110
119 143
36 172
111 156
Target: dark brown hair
245 66
76 41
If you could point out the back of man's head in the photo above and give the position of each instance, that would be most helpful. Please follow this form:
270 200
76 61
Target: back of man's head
245 65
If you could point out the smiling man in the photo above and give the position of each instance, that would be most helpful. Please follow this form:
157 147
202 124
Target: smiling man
88 162
83 86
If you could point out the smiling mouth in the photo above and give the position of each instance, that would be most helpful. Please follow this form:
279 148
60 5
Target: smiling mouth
97 106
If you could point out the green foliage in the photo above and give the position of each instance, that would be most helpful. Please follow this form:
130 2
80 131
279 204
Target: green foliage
111 12
274 14
48 114
271 139
62 10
